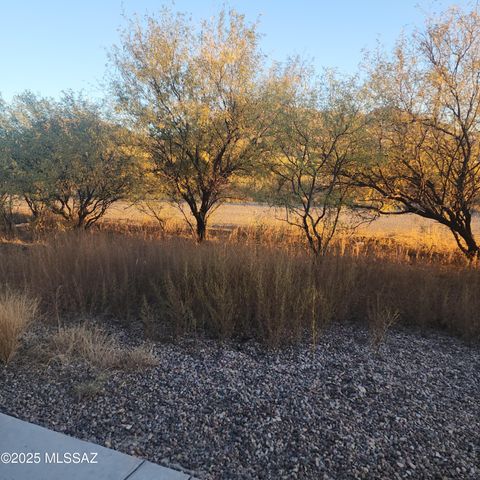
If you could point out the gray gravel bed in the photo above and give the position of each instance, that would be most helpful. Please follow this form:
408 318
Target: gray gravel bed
237 411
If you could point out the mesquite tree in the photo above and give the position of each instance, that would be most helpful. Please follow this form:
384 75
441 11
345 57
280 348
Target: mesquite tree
6 184
315 143
196 97
425 127
68 158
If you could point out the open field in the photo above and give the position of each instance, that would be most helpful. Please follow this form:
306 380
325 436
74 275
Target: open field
407 229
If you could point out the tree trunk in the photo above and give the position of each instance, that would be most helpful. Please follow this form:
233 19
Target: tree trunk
466 241
201 226
471 250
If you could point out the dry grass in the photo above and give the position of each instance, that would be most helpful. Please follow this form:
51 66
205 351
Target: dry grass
136 358
88 343
407 231
17 310
93 345
176 287
380 318
258 284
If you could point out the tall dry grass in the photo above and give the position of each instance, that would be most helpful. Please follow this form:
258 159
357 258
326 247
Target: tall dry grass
240 287
17 310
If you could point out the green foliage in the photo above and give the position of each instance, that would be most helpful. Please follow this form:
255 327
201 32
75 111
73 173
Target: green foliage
67 157
198 97
7 188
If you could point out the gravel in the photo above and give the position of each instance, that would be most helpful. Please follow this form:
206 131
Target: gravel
237 411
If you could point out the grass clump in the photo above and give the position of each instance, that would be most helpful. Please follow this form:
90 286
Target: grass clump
96 347
381 317
17 311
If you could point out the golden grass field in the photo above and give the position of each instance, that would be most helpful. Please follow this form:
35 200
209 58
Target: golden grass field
410 230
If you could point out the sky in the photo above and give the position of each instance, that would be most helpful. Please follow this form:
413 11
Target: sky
52 45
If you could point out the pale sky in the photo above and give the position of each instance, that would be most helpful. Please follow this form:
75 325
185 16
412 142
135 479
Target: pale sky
51 45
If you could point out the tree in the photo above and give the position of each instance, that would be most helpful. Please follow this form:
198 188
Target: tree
315 143
197 98
69 158
425 127
97 166
6 185
25 148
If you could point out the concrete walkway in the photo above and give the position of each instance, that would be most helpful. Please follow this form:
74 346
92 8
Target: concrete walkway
30 452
